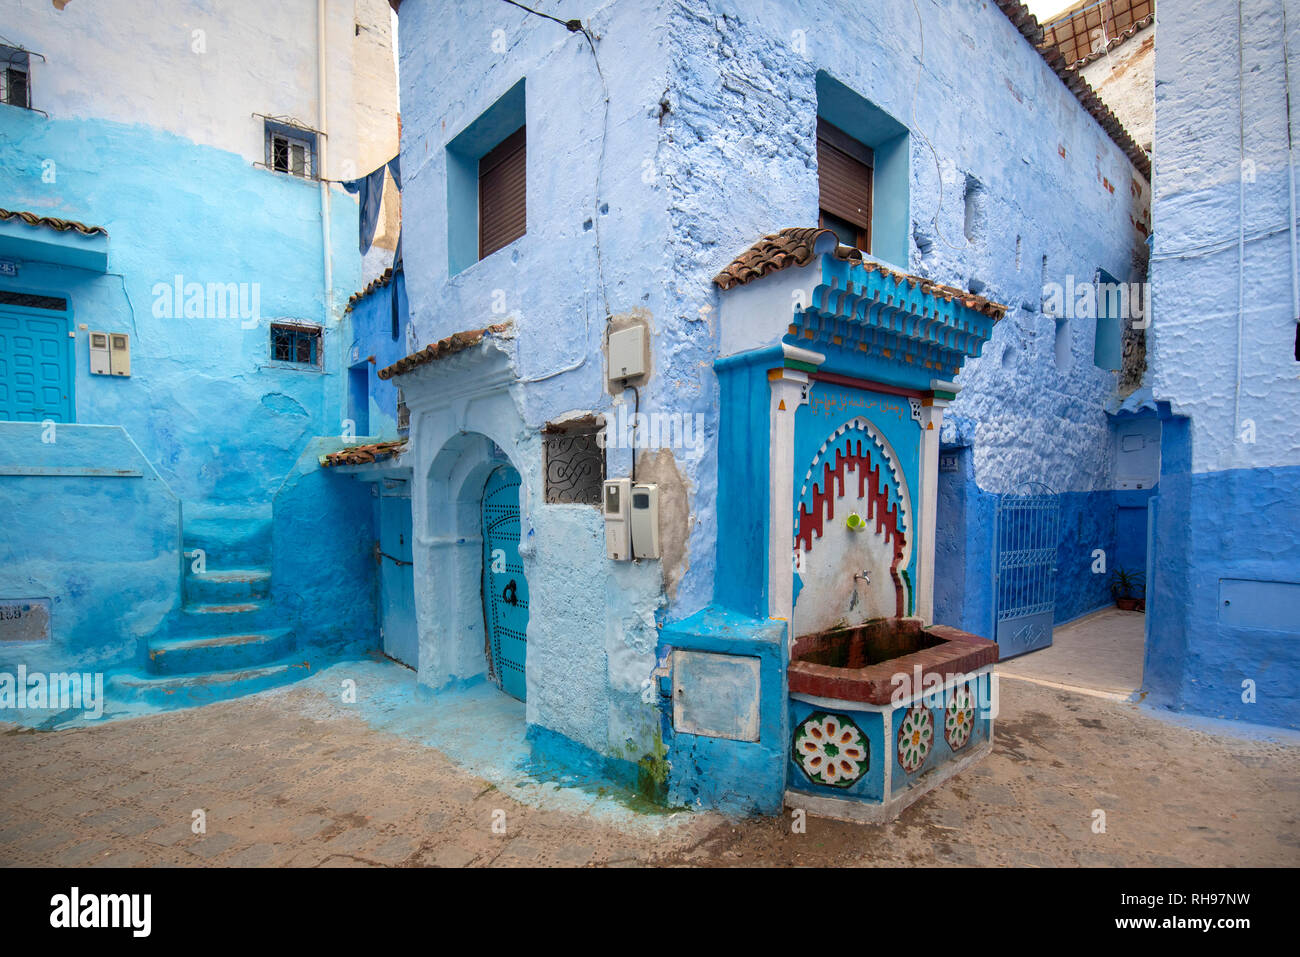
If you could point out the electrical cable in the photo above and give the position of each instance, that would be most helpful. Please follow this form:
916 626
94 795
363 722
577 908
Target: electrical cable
636 412
576 26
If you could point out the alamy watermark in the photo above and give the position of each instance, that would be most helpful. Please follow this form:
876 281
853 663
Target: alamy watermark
56 691
1088 299
179 299
652 430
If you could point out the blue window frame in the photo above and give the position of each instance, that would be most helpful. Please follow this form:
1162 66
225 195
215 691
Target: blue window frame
299 344
291 149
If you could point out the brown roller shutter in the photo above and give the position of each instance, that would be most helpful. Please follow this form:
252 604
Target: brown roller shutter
844 173
502 205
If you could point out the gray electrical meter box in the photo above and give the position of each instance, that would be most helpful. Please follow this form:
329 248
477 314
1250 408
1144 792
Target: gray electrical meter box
645 521
99 353
618 525
627 353
119 353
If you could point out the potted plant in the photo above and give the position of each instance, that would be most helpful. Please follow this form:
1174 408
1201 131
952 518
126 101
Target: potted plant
1127 588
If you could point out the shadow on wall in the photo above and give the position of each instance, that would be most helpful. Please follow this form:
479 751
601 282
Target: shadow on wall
965 560
323 574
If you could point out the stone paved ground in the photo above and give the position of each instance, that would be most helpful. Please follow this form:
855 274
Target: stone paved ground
288 777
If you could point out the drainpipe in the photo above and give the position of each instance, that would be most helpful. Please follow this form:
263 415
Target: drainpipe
323 124
1241 225
1290 170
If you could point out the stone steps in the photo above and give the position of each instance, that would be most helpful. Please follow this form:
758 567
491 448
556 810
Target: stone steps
227 587
177 691
196 655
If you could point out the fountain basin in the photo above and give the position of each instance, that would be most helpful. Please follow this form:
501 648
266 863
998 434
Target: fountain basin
882 712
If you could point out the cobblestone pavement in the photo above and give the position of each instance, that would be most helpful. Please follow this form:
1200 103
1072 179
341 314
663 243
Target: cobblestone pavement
291 778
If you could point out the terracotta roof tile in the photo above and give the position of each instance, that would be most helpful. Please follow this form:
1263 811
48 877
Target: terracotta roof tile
793 246
1029 28
363 454
456 342
377 283
62 225
1134 29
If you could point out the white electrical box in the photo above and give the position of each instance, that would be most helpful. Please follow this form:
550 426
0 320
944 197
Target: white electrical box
119 353
99 353
645 521
618 519
627 353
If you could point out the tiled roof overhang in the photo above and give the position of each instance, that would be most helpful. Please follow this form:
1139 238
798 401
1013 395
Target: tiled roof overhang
1137 27
62 225
867 306
905 319
1027 24
379 282
796 246
456 342
363 454
45 239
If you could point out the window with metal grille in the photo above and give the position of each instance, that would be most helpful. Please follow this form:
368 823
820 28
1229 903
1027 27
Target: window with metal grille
300 344
574 461
32 301
502 194
290 150
844 170
15 77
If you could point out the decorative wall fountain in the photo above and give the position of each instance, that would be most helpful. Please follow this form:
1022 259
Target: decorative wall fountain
834 372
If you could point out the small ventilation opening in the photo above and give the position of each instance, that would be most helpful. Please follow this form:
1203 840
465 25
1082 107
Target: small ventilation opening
974 219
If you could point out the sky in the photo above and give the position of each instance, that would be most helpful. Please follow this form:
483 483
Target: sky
1044 9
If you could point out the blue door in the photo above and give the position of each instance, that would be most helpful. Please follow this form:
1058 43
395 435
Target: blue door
397 577
505 590
1025 586
35 365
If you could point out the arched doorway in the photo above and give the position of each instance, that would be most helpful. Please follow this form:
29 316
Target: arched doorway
505 589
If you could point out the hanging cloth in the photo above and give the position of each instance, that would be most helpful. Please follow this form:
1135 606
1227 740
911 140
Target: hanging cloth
371 196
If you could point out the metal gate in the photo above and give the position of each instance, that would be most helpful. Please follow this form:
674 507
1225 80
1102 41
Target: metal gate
1024 587
505 590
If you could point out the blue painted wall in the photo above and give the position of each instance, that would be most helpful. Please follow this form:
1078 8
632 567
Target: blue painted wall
1222 297
208 410
708 145
369 332
103 546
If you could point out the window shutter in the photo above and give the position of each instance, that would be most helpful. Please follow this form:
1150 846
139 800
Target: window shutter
502 194
844 174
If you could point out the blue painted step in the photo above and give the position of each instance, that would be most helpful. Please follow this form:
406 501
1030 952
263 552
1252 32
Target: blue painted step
185 690
210 619
227 587
230 535
191 655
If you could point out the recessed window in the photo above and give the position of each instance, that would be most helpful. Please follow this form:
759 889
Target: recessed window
864 162
502 205
297 344
15 77
291 150
844 172
486 182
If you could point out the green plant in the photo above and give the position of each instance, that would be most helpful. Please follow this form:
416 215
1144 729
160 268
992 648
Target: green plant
1126 584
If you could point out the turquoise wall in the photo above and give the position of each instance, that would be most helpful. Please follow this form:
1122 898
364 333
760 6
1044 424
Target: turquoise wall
206 408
